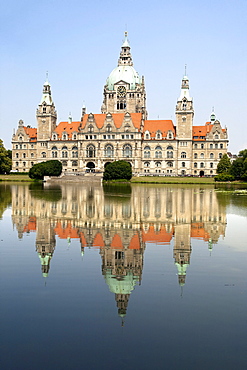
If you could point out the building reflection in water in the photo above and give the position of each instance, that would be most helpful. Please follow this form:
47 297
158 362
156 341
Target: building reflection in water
119 221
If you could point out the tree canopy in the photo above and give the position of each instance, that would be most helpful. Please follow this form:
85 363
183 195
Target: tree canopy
237 170
118 170
5 159
48 168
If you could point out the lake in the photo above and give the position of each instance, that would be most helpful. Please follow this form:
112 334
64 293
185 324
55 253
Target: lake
123 276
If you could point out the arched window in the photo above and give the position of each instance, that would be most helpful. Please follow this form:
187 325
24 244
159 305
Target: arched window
202 165
195 155
54 152
157 164
169 152
184 106
64 152
202 155
220 155
216 137
158 152
183 155
127 151
64 136
195 165
195 146
43 154
109 152
90 128
147 152
211 165
90 151
108 128
158 135
211 146
211 155
146 164
183 164
202 146
216 146
170 164
74 152
147 136
121 104
17 155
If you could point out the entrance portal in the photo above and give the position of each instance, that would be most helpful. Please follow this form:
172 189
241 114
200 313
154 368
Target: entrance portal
90 167
201 173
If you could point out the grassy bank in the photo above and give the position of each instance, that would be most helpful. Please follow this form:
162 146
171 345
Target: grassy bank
16 177
172 180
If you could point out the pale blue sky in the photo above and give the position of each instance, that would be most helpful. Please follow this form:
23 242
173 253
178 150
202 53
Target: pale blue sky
79 42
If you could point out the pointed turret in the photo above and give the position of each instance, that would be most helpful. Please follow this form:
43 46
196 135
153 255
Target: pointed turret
184 112
125 57
46 114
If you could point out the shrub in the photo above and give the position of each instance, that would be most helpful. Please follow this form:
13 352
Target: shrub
48 168
224 177
118 170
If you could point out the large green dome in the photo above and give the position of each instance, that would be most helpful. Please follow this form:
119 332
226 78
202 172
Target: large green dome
124 73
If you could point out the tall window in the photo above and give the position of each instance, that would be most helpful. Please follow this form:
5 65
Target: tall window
202 155
127 151
109 152
74 152
195 155
90 151
158 152
54 152
64 152
211 155
147 152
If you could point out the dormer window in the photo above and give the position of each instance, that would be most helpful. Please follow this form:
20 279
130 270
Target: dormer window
44 109
64 136
108 128
90 128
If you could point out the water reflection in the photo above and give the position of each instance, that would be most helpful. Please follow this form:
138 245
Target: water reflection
119 221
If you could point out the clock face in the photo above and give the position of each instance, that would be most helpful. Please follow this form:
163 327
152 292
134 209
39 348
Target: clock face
121 91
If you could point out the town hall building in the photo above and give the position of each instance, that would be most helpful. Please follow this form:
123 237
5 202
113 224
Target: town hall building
122 131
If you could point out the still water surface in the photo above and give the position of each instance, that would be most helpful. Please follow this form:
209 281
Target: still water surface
122 277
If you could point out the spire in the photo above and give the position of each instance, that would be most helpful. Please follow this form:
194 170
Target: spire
125 57
185 87
212 117
46 96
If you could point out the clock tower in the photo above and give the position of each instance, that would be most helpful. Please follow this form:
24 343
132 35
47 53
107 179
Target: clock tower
124 90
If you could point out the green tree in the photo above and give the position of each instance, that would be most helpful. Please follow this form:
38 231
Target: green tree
224 164
118 170
239 166
5 160
48 168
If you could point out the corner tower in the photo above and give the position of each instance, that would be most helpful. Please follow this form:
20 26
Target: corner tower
184 112
124 90
46 114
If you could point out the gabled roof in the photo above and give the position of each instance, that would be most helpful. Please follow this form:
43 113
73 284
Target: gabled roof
202 131
159 125
118 119
31 132
68 127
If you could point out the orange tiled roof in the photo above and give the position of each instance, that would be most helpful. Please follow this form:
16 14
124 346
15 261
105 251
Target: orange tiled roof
159 125
116 242
68 127
98 241
31 132
31 225
135 242
161 237
68 232
117 119
198 231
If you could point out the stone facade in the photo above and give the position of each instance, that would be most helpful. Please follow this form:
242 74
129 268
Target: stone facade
122 131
